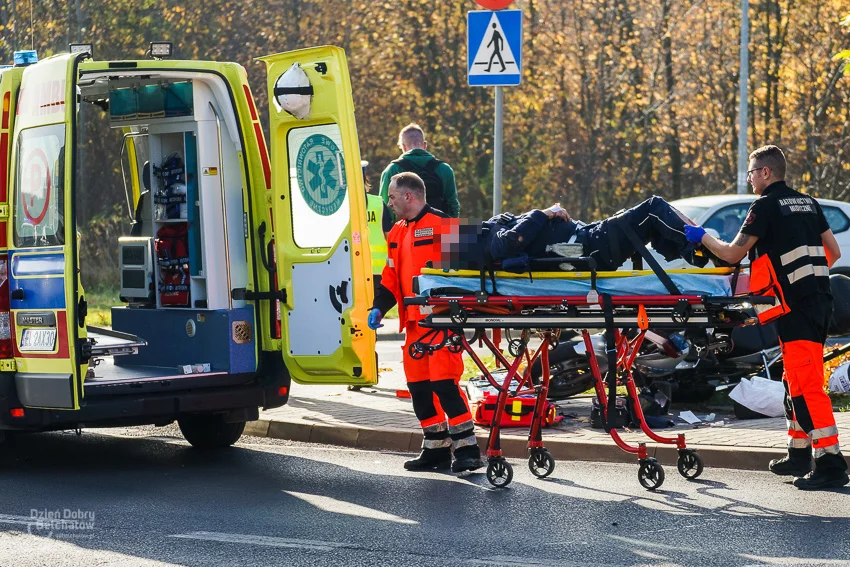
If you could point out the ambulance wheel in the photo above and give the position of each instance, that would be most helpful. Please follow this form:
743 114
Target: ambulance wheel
209 431
500 473
541 463
690 464
417 351
650 474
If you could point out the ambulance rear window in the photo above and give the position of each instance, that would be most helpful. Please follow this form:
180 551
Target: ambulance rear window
39 187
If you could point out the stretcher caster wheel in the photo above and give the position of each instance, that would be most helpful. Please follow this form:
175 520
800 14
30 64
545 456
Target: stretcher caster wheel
541 463
516 347
650 474
455 344
500 473
417 351
690 464
459 318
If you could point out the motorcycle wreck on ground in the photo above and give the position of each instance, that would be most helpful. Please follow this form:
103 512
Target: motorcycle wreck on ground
688 366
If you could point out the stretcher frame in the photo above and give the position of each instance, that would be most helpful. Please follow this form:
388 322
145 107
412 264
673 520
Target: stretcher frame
547 316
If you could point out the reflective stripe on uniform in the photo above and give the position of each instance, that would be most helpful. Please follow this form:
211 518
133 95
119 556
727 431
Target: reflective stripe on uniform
799 443
793 426
800 252
831 450
824 432
436 443
808 270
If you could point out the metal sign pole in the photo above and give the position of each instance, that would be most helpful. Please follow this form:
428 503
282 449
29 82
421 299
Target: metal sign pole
743 80
497 155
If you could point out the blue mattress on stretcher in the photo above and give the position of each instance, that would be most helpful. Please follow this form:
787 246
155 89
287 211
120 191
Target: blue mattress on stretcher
688 284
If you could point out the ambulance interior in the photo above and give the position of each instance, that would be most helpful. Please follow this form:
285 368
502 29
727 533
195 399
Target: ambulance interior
165 243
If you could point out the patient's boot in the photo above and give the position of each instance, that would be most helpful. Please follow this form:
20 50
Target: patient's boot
695 255
830 472
798 462
431 460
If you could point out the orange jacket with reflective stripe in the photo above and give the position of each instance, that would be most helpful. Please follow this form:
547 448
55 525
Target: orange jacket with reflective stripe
411 245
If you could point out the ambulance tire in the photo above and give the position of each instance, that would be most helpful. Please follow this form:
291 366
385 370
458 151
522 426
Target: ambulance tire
209 431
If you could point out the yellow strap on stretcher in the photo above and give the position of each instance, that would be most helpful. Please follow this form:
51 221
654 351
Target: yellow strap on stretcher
578 275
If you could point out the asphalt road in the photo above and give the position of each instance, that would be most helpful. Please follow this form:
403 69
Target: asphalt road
143 497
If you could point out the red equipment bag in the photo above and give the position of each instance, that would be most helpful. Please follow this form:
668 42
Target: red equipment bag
519 412
172 253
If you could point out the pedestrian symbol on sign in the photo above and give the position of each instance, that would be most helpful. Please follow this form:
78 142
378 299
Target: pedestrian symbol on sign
498 44
495 40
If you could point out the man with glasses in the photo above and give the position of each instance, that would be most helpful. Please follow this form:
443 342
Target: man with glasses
791 244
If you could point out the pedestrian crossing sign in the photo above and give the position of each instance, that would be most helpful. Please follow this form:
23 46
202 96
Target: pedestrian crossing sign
494 48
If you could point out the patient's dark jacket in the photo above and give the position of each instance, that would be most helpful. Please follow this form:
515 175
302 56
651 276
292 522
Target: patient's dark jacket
654 222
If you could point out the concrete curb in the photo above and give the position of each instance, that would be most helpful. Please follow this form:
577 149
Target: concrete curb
406 441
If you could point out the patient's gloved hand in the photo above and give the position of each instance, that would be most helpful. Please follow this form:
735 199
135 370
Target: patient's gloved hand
375 317
694 233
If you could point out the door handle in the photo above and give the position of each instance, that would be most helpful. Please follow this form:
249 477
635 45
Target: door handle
18 294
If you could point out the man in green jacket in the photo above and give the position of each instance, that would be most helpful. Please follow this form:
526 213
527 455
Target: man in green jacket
439 178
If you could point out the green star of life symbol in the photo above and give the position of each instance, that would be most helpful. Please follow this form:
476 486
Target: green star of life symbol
320 165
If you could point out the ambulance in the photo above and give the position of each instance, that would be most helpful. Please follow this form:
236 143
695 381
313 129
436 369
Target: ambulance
240 270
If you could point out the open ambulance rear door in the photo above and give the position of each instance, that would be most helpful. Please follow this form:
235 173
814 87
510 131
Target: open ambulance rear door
319 212
47 310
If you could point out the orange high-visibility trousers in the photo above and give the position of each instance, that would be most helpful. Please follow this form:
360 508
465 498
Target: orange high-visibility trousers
811 421
808 409
439 403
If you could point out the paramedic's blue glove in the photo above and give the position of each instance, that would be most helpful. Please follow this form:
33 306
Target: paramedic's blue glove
375 317
694 233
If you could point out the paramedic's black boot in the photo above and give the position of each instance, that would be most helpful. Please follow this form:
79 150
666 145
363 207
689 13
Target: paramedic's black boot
798 462
431 460
467 459
830 472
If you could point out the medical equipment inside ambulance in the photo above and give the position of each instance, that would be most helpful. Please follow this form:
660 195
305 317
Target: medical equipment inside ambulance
220 271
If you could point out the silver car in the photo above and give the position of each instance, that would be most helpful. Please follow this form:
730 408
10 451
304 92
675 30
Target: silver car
723 215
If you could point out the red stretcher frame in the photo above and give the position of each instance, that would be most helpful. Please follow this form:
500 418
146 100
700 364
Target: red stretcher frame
546 316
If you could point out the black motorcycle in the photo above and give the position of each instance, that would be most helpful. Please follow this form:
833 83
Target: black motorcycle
693 362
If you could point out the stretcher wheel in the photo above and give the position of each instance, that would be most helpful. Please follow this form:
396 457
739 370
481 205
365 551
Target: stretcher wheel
417 351
500 473
690 463
541 463
650 474
516 347
459 318
455 344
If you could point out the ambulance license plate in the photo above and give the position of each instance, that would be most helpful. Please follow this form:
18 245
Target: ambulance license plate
38 339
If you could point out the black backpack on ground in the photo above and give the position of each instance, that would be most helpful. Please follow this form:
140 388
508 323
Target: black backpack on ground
433 184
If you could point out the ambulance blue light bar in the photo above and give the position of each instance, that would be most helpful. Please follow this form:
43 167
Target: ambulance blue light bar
23 58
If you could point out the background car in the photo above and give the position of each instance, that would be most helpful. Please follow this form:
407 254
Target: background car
723 215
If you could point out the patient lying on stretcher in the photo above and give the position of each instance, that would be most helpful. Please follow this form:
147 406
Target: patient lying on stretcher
552 233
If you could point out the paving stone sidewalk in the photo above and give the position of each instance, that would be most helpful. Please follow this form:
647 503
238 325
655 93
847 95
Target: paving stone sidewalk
375 418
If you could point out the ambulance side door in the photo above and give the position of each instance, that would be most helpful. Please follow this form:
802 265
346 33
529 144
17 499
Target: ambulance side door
319 213
43 267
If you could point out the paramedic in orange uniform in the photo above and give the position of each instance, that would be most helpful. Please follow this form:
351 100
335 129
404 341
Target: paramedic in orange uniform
793 246
439 403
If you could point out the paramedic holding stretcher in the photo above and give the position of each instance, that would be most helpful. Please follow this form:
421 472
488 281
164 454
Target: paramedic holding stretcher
433 379
793 251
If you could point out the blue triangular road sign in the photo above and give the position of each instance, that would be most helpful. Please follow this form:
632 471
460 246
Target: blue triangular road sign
494 48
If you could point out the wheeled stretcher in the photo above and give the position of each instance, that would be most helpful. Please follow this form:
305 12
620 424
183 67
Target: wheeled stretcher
461 302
